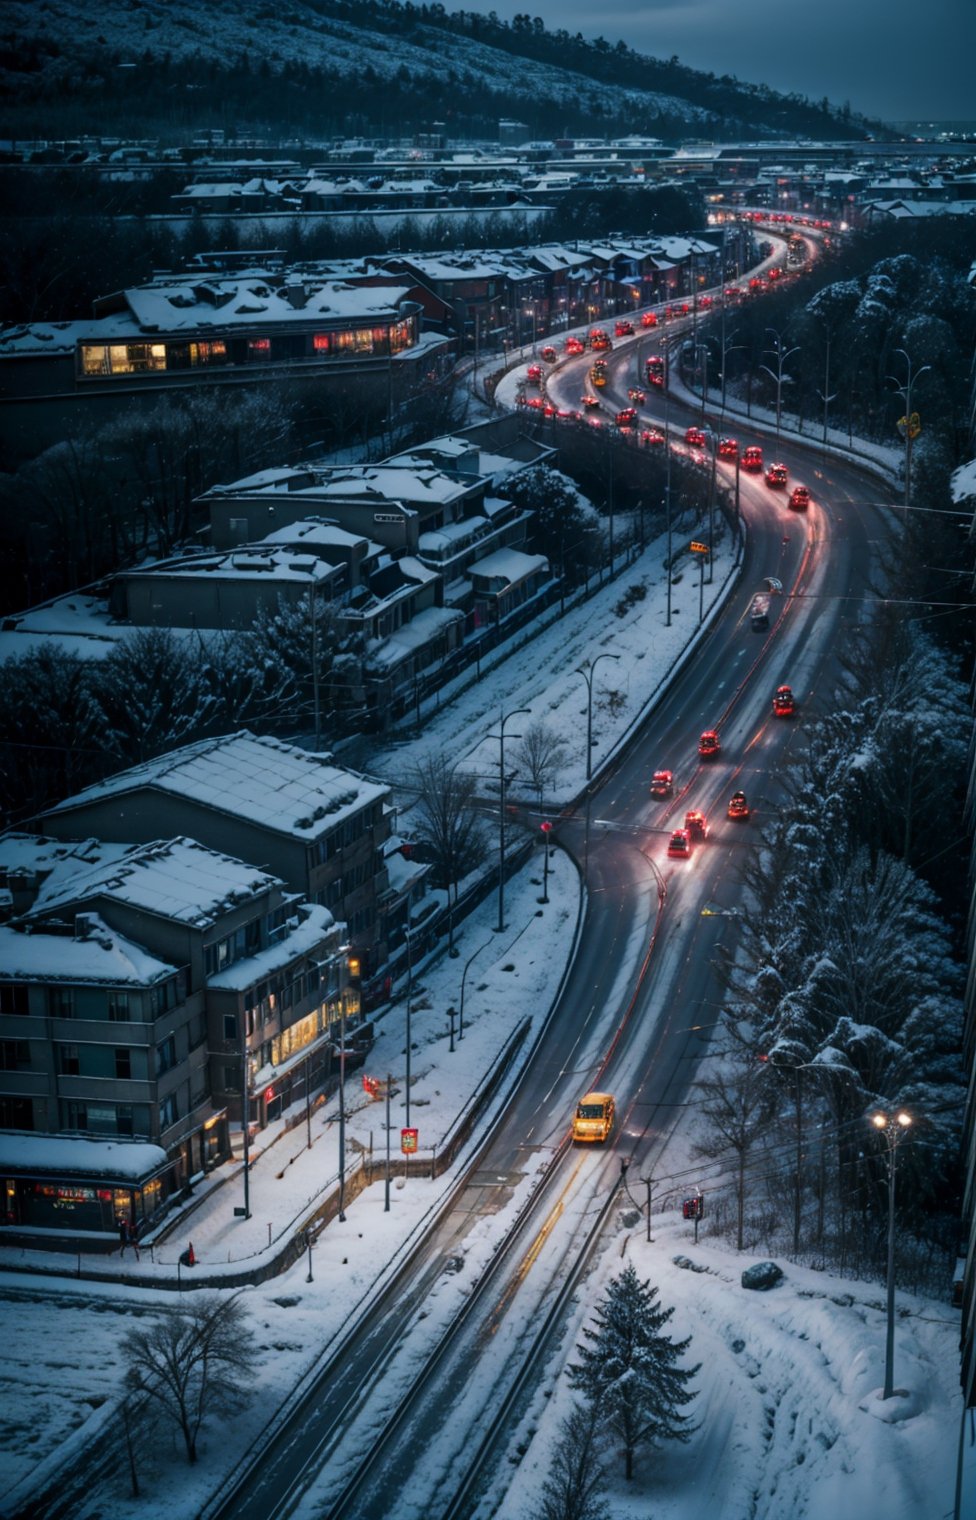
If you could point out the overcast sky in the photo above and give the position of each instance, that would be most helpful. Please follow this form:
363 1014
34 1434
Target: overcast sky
894 59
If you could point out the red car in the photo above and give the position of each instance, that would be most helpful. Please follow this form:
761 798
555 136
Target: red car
752 459
649 319
534 374
679 844
728 448
738 806
549 354
652 437
777 476
696 825
589 400
800 498
627 418
784 705
696 437
623 328
709 745
662 784
575 346
636 394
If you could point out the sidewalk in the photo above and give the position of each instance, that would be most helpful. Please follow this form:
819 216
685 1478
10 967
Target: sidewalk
509 979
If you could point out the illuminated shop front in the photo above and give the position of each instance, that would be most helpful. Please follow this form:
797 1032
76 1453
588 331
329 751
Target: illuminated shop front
98 361
75 1186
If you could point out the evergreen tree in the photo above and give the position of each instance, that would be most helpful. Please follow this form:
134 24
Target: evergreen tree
629 1369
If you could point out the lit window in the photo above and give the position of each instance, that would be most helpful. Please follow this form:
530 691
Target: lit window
322 343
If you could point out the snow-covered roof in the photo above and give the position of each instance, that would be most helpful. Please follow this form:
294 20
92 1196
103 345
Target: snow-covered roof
177 879
320 532
271 784
315 924
510 564
216 304
414 635
126 1161
97 955
41 855
246 564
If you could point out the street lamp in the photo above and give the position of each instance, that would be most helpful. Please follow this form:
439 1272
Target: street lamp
780 357
408 936
894 1127
503 782
464 977
909 424
587 674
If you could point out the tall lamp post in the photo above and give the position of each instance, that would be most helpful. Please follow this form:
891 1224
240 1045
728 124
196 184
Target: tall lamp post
464 977
909 425
779 356
587 674
515 713
893 1126
408 936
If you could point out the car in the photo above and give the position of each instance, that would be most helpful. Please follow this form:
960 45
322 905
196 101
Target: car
728 448
784 704
704 303
623 328
564 415
738 806
679 845
651 438
777 476
696 437
709 745
549 354
800 498
589 400
752 459
636 394
627 417
575 346
599 338
662 784
696 825
649 319
534 374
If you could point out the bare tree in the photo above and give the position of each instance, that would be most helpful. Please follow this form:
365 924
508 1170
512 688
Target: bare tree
196 1361
574 1489
541 755
449 824
737 1109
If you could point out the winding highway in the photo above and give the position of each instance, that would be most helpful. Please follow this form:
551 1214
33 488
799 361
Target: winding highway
416 1423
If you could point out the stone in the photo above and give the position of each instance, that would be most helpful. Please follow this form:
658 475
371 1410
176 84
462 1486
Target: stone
762 1276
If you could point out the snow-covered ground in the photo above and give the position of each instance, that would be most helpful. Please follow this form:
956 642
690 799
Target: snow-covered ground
790 1424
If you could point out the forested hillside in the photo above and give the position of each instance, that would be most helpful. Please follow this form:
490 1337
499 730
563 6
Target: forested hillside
317 68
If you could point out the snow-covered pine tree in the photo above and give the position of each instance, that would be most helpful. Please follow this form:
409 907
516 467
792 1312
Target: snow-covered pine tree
629 1369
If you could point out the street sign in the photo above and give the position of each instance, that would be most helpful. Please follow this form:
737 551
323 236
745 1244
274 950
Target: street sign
545 827
408 1141
697 548
910 426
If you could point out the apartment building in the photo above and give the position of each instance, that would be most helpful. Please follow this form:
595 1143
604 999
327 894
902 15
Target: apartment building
149 996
